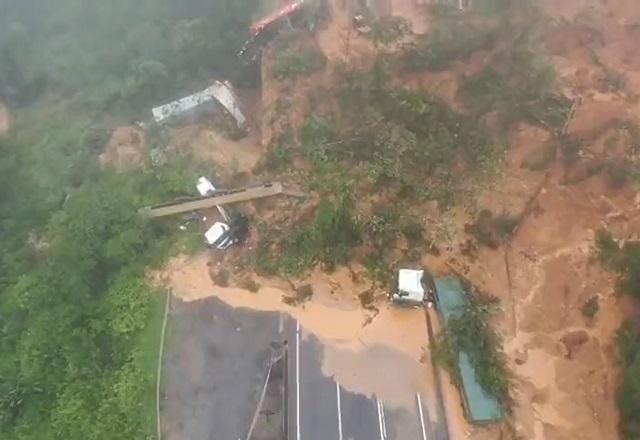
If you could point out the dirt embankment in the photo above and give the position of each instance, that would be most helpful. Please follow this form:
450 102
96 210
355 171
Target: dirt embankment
564 363
565 385
126 149
209 146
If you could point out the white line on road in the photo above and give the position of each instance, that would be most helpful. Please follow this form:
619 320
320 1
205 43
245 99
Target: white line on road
379 420
339 411
297 380
384 420
382 424
424 433
280 323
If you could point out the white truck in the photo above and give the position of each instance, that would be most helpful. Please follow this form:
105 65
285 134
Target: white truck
414 288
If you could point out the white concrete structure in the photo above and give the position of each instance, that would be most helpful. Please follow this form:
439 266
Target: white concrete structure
220 92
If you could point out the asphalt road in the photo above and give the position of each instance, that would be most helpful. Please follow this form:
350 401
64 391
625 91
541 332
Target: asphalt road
214 372
214 369
320 409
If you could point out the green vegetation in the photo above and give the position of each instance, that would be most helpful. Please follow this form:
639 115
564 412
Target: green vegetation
294 62
471 333
625 260
519 84
492 231
389 30
569 148
79 325
629 390
327 240
449 42
250 284
591 307
222 278
384 139
118 56
387 137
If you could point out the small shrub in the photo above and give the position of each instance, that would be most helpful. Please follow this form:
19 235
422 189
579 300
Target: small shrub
303 294
570 148
591 307
541 159
446 45
625 260
520 85
278 158
250 284
504 224
628 393
389 30
609 252
492 231
294 62
629 281
377 268
221 278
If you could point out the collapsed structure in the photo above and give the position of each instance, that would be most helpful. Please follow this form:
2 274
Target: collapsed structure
219 94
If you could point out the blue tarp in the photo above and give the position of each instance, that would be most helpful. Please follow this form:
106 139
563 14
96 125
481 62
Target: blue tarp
481 407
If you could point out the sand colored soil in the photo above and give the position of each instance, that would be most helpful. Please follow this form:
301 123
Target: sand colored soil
126 149
5 119
210 146
565 384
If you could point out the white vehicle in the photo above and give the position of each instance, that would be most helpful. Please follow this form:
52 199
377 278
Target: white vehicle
218 236
413 288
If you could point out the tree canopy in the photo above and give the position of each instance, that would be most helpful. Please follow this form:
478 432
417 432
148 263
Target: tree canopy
117 54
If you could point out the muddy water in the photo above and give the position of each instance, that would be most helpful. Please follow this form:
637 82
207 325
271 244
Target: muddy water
366 352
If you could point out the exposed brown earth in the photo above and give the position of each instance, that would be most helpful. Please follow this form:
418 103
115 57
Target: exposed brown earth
563 363
126 149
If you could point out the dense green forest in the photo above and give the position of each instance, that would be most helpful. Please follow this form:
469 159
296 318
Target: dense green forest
117 55
78 323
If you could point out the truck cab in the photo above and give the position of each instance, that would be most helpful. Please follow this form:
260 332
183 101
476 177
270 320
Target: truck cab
414 288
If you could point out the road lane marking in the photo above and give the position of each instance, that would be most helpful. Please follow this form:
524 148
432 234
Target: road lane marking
424 433
280 323
379 420
382 423
384 420
339 411
297 380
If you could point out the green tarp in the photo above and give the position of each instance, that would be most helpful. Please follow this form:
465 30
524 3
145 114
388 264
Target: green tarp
481 407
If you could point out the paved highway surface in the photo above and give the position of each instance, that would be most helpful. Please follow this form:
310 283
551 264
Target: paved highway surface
214 369
214 372
320 409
